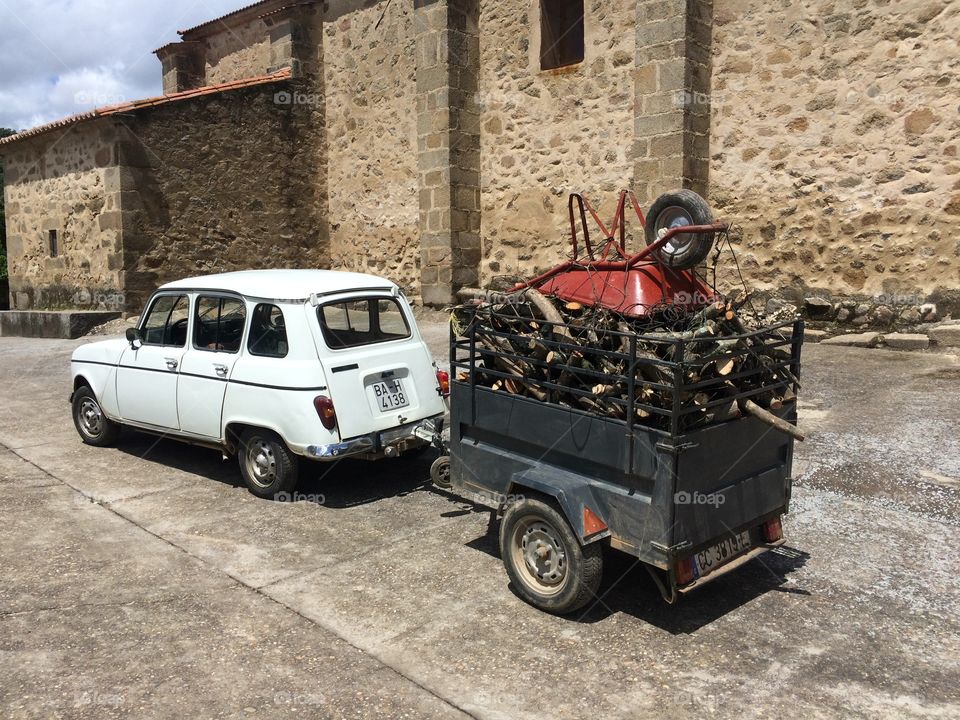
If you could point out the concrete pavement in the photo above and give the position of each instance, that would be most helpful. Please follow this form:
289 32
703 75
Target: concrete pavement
144 581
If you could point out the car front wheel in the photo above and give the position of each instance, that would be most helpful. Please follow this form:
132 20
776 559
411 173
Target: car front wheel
94 427
267 465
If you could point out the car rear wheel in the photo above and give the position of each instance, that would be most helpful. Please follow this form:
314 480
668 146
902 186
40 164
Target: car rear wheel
547 565
94 427
267 465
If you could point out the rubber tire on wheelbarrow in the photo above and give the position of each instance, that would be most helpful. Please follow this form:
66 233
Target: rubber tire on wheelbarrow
683 207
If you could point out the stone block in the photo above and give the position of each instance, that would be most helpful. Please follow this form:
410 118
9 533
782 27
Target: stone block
906 341
867 339
68 324
814 336
436 294
946 335
648 125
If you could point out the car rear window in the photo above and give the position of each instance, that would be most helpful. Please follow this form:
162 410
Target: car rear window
362 322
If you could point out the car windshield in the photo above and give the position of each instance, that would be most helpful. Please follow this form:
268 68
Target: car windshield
363 321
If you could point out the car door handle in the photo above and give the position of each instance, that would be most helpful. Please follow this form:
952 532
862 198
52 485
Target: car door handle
221 370
171 363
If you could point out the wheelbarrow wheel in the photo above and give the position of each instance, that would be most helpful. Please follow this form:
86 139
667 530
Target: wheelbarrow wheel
547 565
677 209
440 472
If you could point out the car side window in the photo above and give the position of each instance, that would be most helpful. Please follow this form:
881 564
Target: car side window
268 332
219 323
166 321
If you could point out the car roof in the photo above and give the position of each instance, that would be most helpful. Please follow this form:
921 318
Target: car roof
283 284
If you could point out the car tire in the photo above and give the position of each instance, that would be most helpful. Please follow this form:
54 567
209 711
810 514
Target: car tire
266 463
94 427
683 207
545 561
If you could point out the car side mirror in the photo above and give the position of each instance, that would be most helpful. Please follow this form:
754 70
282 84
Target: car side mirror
134 337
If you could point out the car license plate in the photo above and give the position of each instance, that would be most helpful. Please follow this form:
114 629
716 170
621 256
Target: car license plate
709 559
390 395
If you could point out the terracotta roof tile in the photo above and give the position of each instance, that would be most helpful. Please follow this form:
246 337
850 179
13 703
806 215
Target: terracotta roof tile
282 74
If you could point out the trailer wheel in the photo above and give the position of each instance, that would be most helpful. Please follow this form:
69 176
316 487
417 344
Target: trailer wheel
440 472
545 561
677 209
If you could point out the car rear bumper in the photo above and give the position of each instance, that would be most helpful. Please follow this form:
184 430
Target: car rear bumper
386 443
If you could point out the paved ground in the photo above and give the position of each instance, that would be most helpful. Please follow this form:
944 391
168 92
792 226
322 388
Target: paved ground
145 581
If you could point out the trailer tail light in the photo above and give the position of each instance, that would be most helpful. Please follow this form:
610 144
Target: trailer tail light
324 406
592 524
772 530
685 571
443 380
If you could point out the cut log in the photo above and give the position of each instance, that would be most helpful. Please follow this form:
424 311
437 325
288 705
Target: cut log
751 408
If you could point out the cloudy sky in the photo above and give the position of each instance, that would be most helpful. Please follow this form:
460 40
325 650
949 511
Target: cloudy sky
60 57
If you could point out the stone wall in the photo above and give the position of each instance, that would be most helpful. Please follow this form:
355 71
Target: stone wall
546 134
242 51
369 84
64 181
219 183
835 138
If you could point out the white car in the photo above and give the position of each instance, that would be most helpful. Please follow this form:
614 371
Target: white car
267 365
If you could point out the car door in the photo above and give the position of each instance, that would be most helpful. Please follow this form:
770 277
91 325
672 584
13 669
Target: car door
219 322
147 375
380 374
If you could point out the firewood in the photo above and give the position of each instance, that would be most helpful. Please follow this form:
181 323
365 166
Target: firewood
751 408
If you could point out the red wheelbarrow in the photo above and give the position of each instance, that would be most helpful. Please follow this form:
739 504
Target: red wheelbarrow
679 231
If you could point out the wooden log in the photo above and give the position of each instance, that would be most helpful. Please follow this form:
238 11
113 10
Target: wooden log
751 408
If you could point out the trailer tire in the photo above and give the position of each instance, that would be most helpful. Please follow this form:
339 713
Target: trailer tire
683 207
545 561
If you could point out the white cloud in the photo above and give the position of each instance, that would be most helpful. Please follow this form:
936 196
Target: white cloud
61 57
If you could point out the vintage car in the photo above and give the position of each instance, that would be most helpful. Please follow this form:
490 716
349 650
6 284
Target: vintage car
268 365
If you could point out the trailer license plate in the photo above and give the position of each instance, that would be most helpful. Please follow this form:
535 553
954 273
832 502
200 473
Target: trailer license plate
390 395
711 558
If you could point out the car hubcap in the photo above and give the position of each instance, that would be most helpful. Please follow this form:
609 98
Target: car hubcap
669 218
542 556
91 417
261 462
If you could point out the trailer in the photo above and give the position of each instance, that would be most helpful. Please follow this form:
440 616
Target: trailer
691 501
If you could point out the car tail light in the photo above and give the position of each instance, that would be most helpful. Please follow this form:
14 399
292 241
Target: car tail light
443 380
685 572
772 530
324 406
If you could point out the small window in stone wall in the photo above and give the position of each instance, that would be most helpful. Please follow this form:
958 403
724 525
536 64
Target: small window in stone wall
561 33
54 245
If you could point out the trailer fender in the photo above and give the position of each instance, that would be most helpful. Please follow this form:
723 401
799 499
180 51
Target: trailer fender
572 494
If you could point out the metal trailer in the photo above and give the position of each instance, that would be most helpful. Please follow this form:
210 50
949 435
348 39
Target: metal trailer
692 502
